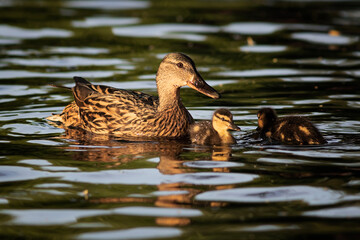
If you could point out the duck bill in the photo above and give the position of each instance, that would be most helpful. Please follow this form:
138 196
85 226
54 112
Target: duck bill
233 127
200 85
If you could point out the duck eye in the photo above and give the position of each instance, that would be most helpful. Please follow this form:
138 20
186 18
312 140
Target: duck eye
180 65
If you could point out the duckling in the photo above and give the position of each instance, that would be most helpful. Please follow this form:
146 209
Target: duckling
215 132
288 130
125 113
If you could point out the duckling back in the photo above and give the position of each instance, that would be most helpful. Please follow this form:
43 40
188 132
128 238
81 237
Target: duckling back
296 130
203 133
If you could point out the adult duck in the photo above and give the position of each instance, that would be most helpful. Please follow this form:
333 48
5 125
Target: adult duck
295 130
124 113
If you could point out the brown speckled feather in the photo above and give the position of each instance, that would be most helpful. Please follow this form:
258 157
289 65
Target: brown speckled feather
106 110
124 115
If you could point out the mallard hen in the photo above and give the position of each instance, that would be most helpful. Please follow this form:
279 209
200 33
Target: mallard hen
123 113
215 132
288 130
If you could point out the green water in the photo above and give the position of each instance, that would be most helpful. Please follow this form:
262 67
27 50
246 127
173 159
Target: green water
58 184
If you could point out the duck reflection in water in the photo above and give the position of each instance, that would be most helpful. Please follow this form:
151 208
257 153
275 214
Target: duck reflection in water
87 146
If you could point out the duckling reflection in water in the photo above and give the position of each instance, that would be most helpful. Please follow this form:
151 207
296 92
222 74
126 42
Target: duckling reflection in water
106 110
215 132
288 130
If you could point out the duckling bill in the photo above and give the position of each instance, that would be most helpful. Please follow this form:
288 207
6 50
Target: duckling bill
125 113
215 132
288 130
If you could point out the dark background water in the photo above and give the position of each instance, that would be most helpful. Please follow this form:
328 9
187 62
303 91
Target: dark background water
299 57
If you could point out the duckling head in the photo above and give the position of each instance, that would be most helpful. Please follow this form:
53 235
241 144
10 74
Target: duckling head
266 118
177 70
222 121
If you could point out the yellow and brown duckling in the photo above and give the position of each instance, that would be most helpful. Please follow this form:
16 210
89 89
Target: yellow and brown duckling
123 113
288 130
215 132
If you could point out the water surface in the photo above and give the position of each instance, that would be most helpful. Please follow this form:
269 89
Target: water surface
298 57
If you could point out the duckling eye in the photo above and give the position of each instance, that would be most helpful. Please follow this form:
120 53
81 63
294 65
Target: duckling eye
180 65
224 120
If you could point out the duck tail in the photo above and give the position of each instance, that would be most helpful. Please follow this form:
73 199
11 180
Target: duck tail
80 80
82 90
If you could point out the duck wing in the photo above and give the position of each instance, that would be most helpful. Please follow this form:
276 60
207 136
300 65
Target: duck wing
84 89
107 110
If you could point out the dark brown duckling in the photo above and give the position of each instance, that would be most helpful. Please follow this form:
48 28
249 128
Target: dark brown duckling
288 130
215 132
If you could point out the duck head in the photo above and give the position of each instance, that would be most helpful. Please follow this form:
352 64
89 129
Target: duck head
266 118
222 121
177 70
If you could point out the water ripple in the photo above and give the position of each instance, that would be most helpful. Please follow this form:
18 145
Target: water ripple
64 61
19 90
21 33
77 50
339 212
11 74
311 195
324 38
263 48
172 31
56 50
108 4
267 28
253 28
12 174
4 201
324 153
316 79
149 176
54 185
328 62
134 233
28 129
9 41
104 21
286 161
265 228
36 162
45 217
158 212
212 164
271 72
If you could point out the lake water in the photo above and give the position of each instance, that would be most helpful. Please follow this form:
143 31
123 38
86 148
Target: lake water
299 57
